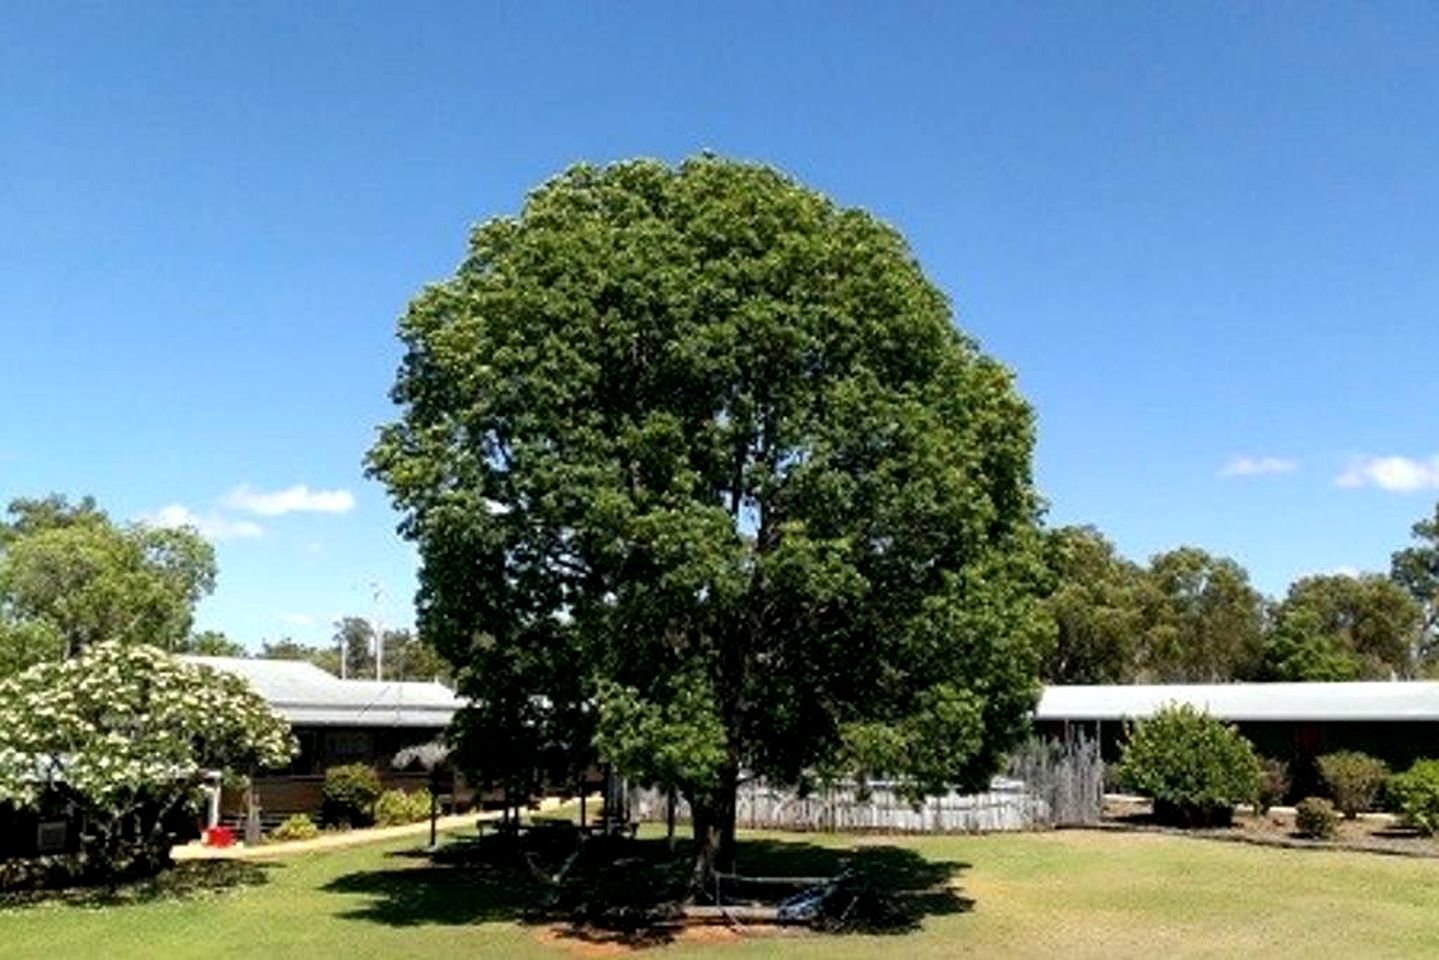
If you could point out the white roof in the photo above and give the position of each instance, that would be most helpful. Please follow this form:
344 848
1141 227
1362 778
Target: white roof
1392 700
307 696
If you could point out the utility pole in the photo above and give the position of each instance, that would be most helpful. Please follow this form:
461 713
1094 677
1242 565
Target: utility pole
377 626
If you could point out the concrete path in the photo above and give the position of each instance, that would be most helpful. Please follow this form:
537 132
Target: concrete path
329 840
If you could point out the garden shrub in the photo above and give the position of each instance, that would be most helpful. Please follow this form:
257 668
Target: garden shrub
1273 783
1416 794
297 826
1353 780
1315 817
350 793
1193 766
397 806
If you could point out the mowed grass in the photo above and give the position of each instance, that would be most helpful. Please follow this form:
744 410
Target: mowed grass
1072 894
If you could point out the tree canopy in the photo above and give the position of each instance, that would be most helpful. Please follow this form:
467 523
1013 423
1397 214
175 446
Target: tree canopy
1341 627
698 456
1097 602
1204 622
70 577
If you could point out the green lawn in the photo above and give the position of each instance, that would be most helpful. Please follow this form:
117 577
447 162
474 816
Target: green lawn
1034 895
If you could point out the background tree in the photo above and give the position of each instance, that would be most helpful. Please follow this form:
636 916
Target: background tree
1416 569
354 637
327 658
1096 601
211 643
701 447
407 657
1204 623
69 577
1337 627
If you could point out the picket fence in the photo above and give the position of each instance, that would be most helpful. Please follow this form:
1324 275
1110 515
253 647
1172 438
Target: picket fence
1046 785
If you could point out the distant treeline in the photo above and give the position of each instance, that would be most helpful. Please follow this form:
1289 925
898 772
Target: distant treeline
1189 617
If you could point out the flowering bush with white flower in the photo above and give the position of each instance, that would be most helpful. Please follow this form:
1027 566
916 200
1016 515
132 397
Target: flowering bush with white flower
125 734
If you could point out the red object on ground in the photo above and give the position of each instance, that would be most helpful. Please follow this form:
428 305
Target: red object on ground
219 837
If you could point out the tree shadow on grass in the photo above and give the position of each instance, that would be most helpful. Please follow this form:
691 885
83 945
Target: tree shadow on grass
187 879
477 882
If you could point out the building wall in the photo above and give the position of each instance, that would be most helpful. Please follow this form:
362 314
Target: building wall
298 788
1298 743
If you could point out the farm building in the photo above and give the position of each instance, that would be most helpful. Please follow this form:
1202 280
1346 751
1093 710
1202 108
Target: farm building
1397 721
337 722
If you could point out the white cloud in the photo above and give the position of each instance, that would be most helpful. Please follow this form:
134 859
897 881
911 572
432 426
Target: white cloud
298 619
297 499
1258 466
1396 474
212 526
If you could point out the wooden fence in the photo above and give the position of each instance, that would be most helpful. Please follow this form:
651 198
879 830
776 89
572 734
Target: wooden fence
1048 785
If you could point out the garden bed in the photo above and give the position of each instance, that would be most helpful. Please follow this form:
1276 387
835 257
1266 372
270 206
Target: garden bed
1380 833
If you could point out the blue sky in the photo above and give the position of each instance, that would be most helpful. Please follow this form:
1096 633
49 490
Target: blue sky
1198 232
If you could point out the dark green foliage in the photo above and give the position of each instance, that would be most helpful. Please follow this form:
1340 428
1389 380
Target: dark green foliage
1353 780
1339 627
1203 621
70 578
700 448
210 643
1096 601
1273 783
1315 817
350 793
1195 767
1415 793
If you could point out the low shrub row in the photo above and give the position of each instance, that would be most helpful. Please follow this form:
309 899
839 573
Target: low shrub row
1197 769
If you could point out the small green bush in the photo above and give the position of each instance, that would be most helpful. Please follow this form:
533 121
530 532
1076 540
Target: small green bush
1353 780
1315 817
350 793
396 807
1195 767
1273 783
296 827
1416 794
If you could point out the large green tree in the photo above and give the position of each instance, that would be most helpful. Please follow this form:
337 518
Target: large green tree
1339 627
70 577
699 453
1097 602
1204 622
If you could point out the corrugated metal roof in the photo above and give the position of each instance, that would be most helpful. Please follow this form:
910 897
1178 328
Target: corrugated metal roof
1396 700
305 695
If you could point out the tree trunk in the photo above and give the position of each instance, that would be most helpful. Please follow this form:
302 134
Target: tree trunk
714 828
